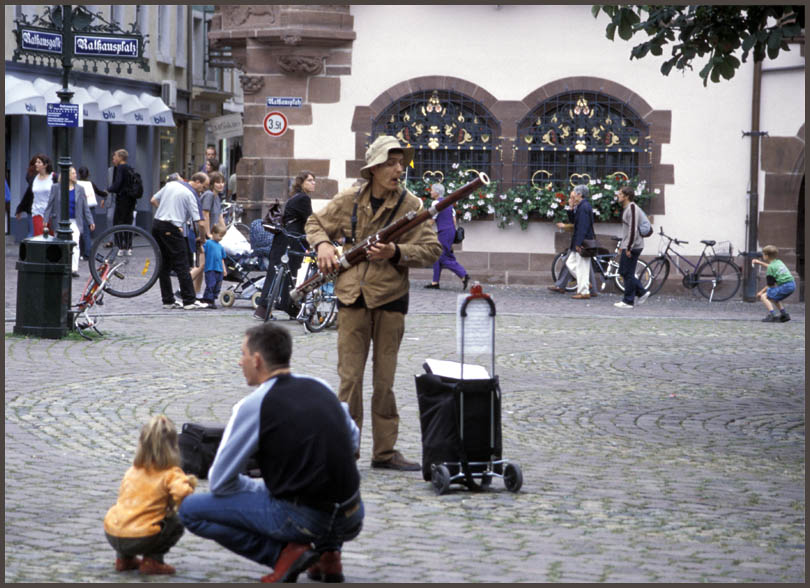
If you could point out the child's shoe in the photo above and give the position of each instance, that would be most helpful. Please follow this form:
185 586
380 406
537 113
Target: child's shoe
122 564
771 318
784 318
153 566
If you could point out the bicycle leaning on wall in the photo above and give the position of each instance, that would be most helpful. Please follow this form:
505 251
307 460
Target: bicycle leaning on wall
714 274
605 267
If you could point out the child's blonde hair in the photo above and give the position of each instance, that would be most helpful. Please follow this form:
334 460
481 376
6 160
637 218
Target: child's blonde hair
218 230
770 252
157 447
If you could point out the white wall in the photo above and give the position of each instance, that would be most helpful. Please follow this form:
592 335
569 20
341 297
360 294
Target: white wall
512 50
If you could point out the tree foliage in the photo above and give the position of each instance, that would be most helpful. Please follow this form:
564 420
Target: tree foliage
695 31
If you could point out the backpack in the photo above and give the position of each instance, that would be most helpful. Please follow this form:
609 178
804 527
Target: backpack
644 227
133 187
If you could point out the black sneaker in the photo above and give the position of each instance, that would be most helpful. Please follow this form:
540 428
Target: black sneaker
784 318
771 318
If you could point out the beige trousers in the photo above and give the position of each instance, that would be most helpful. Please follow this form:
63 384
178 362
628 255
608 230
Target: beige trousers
357 328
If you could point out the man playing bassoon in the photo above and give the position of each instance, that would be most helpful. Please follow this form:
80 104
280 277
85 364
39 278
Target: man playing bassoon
373 295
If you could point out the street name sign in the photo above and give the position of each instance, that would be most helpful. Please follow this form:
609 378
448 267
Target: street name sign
288 101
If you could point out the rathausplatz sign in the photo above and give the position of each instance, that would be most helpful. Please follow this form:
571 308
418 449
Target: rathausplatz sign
105 46
41 41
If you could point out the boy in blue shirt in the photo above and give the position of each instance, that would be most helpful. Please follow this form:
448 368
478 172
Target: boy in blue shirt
215 268
780 285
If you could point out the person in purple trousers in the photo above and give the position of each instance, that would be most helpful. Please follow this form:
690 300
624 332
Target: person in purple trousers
446 228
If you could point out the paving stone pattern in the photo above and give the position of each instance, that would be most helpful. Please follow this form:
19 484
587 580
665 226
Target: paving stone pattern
661 445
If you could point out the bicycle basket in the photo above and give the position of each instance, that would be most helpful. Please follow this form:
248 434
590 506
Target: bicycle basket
723 249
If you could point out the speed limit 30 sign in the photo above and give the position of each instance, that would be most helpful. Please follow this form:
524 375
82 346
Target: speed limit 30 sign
275 124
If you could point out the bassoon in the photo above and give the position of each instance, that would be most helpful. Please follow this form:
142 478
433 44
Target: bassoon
387 234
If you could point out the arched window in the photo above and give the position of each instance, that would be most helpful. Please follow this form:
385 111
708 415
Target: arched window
444 127
578 136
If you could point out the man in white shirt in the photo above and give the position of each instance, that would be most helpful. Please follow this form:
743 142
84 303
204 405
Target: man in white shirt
175 204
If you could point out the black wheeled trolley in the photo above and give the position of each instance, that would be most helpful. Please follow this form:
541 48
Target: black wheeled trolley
461 419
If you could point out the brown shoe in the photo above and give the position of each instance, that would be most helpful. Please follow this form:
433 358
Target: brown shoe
581 296
397 463
294 559
594 294
556 289
122 564
153 566
327 569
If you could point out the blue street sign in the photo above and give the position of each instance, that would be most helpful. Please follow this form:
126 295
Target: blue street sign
94 46
33 40
284 101
63 115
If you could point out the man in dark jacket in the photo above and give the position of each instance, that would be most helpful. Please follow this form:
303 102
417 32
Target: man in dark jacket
124 203
583 229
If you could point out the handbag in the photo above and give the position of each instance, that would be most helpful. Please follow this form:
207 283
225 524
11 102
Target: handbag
198 448
589 248
459 236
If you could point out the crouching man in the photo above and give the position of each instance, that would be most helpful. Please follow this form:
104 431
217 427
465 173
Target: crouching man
307 502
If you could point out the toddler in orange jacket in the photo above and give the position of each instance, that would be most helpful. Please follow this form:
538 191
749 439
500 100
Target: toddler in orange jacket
144 519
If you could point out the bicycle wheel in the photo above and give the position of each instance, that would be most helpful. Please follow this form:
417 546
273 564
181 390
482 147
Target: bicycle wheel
718 279
558 267
134 267
320 310
643 275
659 272
274 295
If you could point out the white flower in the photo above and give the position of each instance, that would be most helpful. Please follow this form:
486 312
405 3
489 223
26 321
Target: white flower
525 216
638 191
465 206
657 191
550 214
490 210
451 185
518 200
596 212
489 196
553 206
594 182
454 166
510 223
502 196
516 208
467 216
596 196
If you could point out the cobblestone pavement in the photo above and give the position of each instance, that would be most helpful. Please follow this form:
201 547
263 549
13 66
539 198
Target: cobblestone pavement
665 444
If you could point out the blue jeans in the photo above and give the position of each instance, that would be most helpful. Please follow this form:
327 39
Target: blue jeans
627 270
213 284
780 292
258 526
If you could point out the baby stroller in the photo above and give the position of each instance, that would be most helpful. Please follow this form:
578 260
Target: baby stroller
241 258
461 420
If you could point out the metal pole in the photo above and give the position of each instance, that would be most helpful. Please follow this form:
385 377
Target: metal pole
749 283
63 231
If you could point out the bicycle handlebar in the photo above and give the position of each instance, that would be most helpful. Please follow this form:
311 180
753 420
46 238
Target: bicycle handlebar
676 241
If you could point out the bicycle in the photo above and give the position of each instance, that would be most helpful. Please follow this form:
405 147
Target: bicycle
277 297
605 266
319 307
124 273
715 276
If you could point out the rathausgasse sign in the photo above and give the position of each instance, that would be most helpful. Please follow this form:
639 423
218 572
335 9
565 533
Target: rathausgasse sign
33 40
105 46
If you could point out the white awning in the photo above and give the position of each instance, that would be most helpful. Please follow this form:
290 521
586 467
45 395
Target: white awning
160 115
109 108
22 97
135 113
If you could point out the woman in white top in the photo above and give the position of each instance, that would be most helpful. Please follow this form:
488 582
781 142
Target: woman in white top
35 199
78 211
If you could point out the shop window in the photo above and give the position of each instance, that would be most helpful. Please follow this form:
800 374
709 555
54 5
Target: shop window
444 127
579 136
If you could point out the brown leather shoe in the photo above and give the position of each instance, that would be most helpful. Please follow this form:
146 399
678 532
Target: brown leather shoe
594 294
581 296
294 559
153 566
397 463
122 564
556 289
327 569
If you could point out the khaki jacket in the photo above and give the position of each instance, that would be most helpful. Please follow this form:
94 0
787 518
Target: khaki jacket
379 281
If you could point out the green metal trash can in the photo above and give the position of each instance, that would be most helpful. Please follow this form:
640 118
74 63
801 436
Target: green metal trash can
43 287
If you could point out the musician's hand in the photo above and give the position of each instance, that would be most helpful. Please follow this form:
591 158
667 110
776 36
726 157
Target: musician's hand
327 258
381 251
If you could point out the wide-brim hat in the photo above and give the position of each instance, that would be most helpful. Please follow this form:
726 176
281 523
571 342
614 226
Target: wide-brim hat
377 153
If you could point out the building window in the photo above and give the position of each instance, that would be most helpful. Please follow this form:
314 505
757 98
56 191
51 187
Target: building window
444 127
180 53
198 48
579 136
164 34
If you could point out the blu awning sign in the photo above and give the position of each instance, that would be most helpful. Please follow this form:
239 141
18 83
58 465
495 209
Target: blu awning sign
63 115
289 101
93 46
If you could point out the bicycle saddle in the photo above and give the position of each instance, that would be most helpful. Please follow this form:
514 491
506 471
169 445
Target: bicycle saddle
708 242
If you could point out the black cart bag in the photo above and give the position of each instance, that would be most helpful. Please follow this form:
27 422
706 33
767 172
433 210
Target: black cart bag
461 423
198 448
